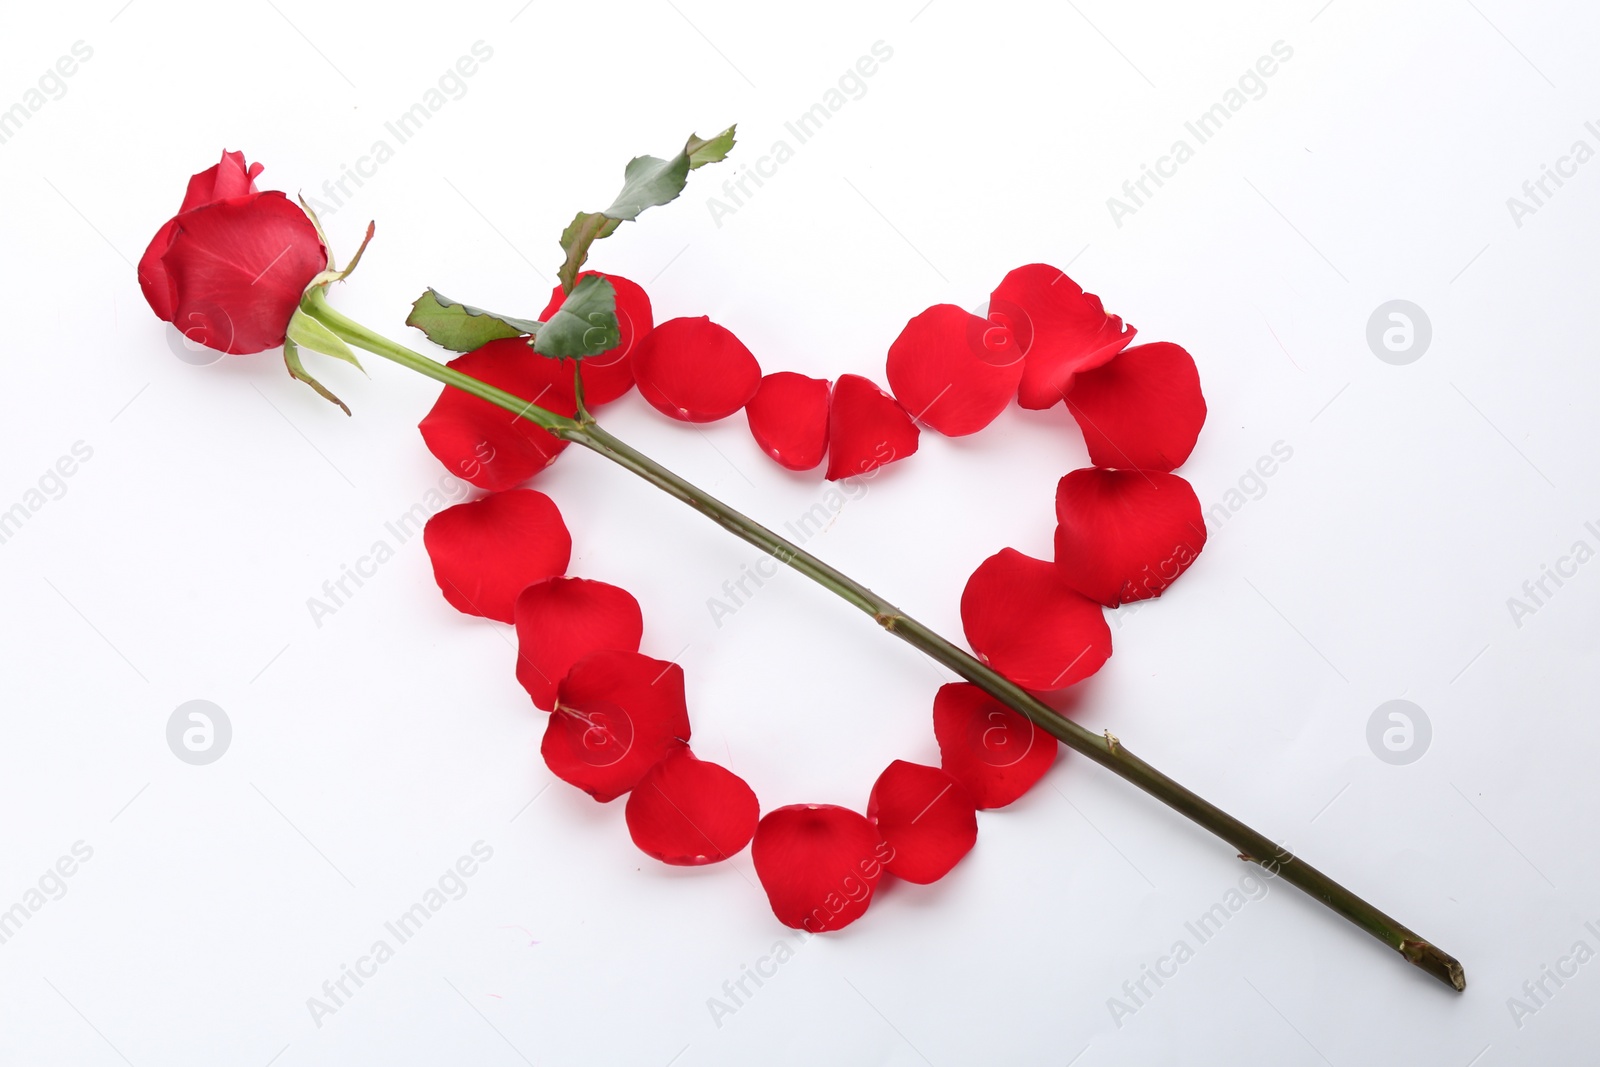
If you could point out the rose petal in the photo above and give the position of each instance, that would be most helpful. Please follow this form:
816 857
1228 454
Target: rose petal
487 551
993 751
609 375
688 812
695 371
1024 620
819 864
230 176
159 290
789 419
487 445
866 428
1144 409
237 269
562 620
617 715
1125 535
926 817
954 371
1067 330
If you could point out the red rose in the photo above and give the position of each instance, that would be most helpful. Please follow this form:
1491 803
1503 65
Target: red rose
229 269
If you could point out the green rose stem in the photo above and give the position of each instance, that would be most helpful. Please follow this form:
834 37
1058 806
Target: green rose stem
1105 750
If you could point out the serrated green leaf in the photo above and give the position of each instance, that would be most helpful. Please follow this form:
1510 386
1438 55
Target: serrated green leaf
715 150
584 230
297 371
461 327
647 182
584 325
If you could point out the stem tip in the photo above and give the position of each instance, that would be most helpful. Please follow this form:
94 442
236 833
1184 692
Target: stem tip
1436 962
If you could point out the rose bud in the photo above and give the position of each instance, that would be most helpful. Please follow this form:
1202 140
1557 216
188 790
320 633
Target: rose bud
230 268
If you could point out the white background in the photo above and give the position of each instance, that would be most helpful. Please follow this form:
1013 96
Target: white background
368 754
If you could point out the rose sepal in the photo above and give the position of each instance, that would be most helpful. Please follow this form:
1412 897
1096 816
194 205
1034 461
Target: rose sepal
306 331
